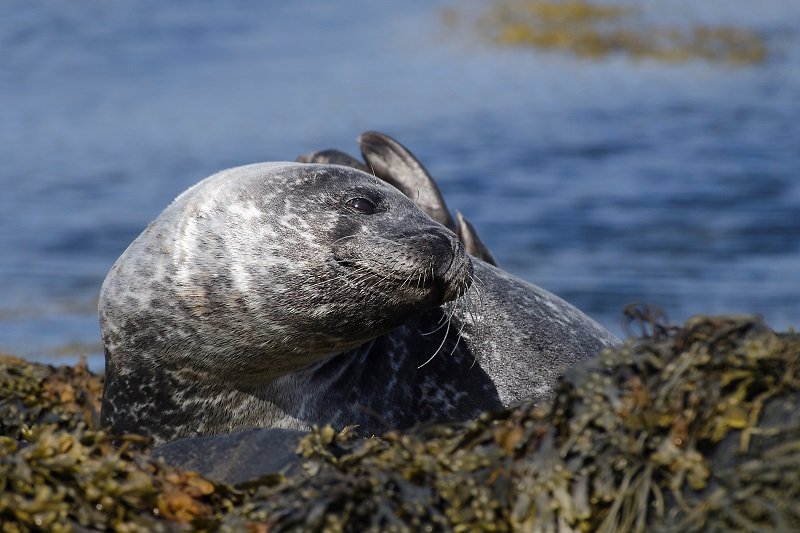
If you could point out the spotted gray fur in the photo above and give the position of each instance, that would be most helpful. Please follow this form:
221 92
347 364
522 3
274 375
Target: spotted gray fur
260 298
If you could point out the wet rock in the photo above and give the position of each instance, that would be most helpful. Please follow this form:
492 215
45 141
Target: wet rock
245 456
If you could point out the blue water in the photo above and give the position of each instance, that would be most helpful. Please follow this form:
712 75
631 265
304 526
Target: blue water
605 182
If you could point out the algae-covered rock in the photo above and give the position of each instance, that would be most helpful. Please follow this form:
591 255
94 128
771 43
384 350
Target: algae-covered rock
699 430
58 472
693 428
68 480
68 397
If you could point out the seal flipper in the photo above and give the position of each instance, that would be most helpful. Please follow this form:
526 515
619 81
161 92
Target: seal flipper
395 164
472 243
333 157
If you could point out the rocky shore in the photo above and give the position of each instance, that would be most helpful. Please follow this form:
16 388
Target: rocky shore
686 428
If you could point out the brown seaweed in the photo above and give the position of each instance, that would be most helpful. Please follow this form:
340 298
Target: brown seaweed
596 30
695 428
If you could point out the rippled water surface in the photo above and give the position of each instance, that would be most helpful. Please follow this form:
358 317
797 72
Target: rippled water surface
605 182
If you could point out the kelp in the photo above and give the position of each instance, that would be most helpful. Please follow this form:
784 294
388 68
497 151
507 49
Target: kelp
690 428
66 397
694 431
595 30
70 480
60 472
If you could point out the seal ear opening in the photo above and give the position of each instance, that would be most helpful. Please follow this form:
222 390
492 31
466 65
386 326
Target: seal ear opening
395 164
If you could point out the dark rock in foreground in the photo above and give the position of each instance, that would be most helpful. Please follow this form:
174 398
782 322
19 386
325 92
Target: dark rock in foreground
698 429
240 457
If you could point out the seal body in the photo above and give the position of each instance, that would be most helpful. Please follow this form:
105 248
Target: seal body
284 295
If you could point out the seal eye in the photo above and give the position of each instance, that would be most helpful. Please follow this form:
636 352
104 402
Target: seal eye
362 205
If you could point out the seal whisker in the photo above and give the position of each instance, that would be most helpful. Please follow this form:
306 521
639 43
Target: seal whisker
445 320
442 319
447 331
365 276
407 281
441 323
480 289
450 309
340 239
375 273
357 280
458 339
473 282
475 309
358 273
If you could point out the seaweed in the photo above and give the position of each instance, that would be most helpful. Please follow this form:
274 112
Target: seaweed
68 397
690 428
596 30
60 472
668 433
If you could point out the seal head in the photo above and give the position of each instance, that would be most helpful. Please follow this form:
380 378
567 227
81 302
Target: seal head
392 162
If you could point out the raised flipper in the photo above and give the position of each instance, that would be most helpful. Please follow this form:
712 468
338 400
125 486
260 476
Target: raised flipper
333 157
472 243
395 164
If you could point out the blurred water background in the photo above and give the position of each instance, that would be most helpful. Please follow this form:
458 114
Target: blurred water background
605 181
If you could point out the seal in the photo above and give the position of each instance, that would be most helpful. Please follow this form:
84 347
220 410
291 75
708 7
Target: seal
282 295
262 296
